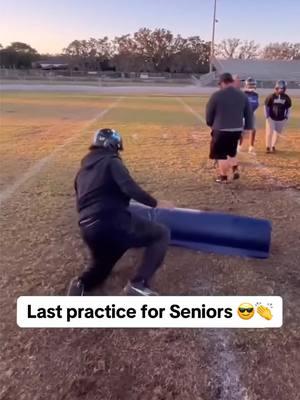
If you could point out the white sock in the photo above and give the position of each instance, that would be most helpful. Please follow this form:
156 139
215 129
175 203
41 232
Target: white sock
274 139
269 133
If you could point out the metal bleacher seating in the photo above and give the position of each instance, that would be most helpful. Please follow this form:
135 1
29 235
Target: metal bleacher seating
266 72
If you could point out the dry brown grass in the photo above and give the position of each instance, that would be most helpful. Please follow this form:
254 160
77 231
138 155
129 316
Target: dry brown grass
41 250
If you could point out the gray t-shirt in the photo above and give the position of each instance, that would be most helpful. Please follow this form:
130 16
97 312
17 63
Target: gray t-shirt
229 110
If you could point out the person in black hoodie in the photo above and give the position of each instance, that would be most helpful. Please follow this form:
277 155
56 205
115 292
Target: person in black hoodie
104 189
277 112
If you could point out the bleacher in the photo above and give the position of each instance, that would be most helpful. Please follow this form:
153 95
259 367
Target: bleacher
266 72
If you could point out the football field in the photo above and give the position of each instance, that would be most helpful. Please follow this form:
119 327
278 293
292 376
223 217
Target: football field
43 138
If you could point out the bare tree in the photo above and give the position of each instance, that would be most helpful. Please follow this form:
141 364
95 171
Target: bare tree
228 48
282 51
248 50
236 48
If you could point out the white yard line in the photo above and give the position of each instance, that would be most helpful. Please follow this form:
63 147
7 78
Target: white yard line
191 110
229 368
39 165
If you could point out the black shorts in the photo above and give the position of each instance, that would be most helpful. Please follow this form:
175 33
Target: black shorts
223 144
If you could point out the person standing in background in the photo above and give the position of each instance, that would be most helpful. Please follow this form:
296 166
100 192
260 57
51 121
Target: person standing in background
228 112
277 112
253 97
237 81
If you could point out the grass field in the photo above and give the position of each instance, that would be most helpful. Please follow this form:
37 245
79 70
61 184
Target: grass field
43 138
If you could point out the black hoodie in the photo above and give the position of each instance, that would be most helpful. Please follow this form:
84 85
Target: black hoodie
104 185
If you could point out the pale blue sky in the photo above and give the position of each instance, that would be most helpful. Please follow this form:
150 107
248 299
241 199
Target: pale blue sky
49 25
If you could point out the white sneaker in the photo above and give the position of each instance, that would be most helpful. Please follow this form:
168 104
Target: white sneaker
251 150
138 289
76 288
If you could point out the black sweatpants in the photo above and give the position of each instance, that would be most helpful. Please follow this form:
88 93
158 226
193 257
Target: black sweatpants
109 238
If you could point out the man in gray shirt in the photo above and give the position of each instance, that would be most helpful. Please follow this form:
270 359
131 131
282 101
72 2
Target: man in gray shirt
228 113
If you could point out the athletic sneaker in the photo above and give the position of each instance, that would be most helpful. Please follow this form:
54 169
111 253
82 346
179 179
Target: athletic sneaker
76 288
273 150
235 171
251 150
236 175
138 289
268 150
222 179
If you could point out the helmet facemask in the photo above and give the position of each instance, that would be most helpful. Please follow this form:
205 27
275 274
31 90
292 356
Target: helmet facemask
250 84
280 87
108 139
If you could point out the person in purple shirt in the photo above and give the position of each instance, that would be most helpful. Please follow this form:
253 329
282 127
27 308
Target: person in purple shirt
253 97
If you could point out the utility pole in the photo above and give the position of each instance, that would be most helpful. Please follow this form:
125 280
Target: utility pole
212 49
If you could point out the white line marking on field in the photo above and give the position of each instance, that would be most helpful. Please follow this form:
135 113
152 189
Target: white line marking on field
191 110
229 368
37 167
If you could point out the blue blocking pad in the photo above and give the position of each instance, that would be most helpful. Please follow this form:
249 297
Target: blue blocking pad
212 232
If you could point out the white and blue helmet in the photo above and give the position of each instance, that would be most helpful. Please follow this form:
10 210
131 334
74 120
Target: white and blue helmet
250 83
281 85
108 139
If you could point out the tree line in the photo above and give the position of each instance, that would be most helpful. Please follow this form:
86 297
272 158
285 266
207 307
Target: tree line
249 50
147 50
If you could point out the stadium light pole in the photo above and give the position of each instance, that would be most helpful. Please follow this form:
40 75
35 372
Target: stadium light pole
212 48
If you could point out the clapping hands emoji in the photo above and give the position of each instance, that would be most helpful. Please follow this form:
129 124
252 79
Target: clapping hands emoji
264 312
